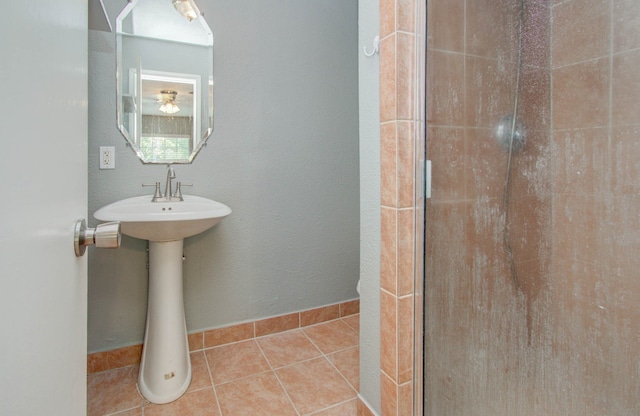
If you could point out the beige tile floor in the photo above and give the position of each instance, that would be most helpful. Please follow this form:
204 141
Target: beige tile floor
308 371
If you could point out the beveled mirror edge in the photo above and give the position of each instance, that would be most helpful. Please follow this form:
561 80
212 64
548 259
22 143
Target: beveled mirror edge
119 95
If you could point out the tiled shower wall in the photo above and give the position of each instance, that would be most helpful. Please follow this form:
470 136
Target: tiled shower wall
557 333
595 56
397 87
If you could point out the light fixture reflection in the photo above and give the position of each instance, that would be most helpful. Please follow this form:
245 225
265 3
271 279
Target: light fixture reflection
187 8
168 101
169 108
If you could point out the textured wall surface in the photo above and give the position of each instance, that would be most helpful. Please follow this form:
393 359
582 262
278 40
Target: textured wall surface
283 156
368 27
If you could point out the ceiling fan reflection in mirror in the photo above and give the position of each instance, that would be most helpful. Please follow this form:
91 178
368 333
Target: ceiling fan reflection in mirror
169 105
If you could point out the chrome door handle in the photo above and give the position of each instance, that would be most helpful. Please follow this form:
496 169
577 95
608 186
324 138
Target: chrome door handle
105 235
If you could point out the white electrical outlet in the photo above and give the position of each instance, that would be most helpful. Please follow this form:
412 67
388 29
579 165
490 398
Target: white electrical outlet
107 157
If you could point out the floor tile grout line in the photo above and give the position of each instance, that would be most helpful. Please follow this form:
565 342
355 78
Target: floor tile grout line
275 373
272 368
326 357
300 328
315 412
332 352
119 412
204 348
243 378
322 355
343 376
213 385
346 323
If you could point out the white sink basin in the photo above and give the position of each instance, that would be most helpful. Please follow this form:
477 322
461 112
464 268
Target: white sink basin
163 221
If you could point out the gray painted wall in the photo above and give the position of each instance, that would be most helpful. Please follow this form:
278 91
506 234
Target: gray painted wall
368 23
283 155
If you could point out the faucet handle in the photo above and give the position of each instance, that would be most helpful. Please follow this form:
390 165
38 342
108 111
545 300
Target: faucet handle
178 193
157 194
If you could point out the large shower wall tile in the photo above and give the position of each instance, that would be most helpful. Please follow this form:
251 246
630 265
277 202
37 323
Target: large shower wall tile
580 95
531 167
577 227
486 254
446 32
530 231
446 96
490 91
536 35
446 149
530 228
595 307
619 245
626 88
626 20
580 31
492 29
447 227
625 153
486 165
534 103
581 161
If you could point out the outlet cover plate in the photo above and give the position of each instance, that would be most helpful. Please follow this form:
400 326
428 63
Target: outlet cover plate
107 157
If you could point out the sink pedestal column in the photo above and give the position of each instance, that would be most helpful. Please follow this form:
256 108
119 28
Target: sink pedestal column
165 371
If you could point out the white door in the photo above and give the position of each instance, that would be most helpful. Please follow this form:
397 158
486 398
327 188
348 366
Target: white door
43 191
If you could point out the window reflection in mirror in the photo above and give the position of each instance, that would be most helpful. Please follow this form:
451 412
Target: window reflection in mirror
165 81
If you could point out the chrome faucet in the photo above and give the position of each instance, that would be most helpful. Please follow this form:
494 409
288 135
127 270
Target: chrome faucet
169 194
171 175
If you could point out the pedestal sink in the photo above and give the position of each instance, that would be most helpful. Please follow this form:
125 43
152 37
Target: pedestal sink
165 370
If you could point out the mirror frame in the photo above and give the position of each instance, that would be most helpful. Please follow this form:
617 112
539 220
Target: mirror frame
205 85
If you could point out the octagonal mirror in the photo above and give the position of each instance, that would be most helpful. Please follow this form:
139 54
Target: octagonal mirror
164 79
